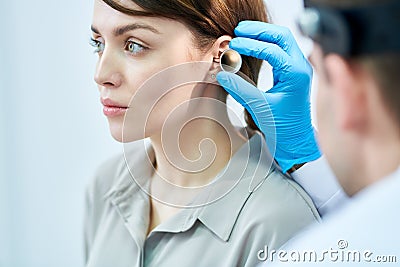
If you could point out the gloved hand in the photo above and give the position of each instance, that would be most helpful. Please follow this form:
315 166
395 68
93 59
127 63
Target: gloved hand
289 98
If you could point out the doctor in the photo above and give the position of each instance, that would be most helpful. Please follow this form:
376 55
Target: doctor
357 59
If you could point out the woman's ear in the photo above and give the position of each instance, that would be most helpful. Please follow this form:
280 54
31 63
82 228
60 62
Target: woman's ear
219 46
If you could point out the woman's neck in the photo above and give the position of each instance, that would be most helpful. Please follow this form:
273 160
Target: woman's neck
194 155
190 155
198 154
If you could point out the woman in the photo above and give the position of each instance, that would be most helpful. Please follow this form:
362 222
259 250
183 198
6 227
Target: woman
196 195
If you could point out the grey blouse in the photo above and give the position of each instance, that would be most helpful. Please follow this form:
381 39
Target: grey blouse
250 206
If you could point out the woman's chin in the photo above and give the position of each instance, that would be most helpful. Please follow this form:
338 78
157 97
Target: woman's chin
125 136
117 137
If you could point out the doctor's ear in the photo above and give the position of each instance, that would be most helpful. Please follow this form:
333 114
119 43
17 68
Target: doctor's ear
219 46
347 80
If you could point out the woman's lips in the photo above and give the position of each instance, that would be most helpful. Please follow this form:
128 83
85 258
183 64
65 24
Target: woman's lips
114 111
112 108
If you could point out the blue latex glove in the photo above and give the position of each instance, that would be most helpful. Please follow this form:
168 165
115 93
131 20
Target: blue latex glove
289 98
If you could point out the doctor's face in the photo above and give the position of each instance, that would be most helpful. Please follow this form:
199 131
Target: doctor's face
130 50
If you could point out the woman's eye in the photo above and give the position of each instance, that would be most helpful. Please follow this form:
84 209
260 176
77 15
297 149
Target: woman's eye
134 48
98 46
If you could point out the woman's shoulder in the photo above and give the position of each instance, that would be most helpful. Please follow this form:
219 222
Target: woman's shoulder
107 174
116 170
282 196
277 192
276 211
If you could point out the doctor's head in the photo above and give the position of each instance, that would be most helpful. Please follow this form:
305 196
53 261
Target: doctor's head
136 39
358 107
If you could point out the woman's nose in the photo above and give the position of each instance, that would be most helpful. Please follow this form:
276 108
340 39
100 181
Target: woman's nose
108 71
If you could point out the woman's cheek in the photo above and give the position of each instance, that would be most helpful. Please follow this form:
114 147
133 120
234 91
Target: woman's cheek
171 110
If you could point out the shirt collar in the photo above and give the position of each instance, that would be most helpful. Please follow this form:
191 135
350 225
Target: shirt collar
128 194
217 208
135 172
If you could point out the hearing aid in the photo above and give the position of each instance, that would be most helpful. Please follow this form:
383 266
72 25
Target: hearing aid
230 61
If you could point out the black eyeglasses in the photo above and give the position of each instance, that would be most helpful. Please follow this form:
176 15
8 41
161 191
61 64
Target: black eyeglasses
368 29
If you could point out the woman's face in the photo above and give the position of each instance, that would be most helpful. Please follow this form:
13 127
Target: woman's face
130 50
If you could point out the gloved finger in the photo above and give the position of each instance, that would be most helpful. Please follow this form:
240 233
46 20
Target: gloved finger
251 98
273 54
271 33
242 91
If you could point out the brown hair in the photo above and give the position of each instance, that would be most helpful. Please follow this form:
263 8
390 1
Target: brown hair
383 67
207 20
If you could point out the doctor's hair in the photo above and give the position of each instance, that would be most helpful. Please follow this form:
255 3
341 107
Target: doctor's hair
345 3
207 20
383 67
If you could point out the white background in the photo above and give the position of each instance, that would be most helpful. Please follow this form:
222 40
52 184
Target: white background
52 131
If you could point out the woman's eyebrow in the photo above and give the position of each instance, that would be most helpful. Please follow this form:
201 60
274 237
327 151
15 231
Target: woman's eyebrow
130 27
121 30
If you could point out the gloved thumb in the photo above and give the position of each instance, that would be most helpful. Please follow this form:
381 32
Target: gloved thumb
249 96
241 90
